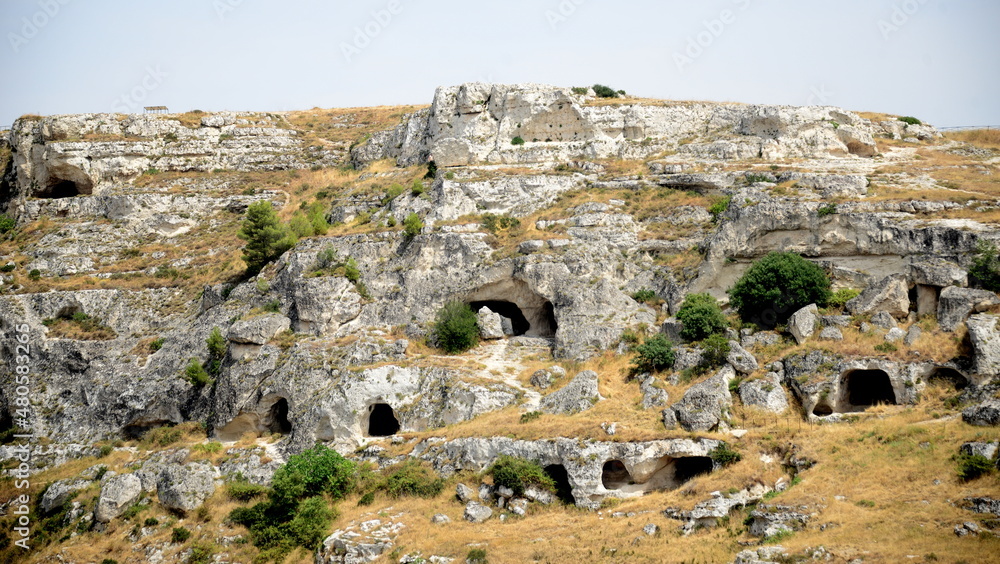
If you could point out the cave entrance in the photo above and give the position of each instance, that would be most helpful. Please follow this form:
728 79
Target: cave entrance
868 387
382 421
57 188
944 376
519 323
559 475
276 419
615 475
531 314
690 467
822 410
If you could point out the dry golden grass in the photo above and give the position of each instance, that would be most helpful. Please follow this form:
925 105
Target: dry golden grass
877 117
988 138
347 125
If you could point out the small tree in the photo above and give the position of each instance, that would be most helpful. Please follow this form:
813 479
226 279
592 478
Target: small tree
776 286
456 328
653 355
412 225
986 266
266 238
518 473
195 373
701 316
6 223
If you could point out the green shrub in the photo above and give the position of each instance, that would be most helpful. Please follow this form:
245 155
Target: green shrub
645 296
580 90
842 296
412 478
776 286
242 490
392 193
266 238
530 416
367 499
603 91
35 274
886 348
412 225
417 188
517 141
319 470
216 343
105 451
195 373
311 520
476 556
825 210
9 267
456 329
715 349
723 455
518 473
719 206
910 120
973 466
351 270
109 561
157 344
432 169
7 223
701 316
151 522
201 553
986 266
179 535
495 223
653 355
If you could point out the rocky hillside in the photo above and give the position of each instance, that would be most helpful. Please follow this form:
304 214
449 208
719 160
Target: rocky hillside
152 384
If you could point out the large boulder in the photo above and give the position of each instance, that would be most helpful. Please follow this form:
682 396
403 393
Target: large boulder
986 414
185 488
476 512
764 393
956 304
490 324
258 330
579 395
984 332
890 294
938 272
118 493
705 405
802 324
58 493
740 359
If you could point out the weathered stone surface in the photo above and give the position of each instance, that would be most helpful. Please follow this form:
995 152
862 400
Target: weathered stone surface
579 395
672 329
706 404
938 272
490 324
118 492
324 304
185 488
884 320
740 359
802 323
987 450
956 304
476 512
890 294
58 493
258 330
440 519
464 493
764 393
984 505
984 332
895 335
768 521
831 334
652 396
707 514
986 414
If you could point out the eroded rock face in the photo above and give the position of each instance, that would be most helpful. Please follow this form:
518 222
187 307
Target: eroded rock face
705 406
828 384
889 295
956 304
185 488
476 123
118 492
580 394
984 332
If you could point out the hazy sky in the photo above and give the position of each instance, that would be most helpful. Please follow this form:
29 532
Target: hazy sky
937 60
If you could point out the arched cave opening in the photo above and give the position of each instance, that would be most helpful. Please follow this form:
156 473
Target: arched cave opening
615 475
868 387
276 420
942 375
57 188
382 421
822 409
559 475
530 313
509 310
689 467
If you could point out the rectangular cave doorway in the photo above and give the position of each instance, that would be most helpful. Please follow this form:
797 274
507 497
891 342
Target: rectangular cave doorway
559 476
867 388
382 421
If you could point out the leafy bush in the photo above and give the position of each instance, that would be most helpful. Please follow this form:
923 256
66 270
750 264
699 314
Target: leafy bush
196 374
724 456
151 522
580 90
432 169
351 270
842 296
653 355
7 223
201 553
973 466
311 520
412 225
216 343
518 473
910 120
605 91
517 140
719 207
715 350
456 328
157 344
885 348
266 238
35 274
644 296
828 209
776 286
495 223
319 470
417 188
180 534
476 556
242 490
701 316
392 193
412 478
986 266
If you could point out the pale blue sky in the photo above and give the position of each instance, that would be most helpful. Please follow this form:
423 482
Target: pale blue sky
934 59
